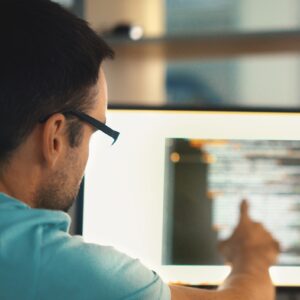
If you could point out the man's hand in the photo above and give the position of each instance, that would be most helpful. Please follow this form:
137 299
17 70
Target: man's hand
251 250
250 242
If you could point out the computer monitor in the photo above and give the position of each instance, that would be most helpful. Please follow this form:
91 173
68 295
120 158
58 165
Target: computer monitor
170 188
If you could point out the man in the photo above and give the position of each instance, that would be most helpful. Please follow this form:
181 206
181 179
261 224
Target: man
53 96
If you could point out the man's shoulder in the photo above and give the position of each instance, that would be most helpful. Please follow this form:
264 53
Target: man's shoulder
45 262
73 252
100 270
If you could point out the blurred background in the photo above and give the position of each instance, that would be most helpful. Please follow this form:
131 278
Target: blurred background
237 53
199 53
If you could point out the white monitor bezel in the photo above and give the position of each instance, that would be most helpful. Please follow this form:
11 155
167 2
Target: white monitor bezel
221 125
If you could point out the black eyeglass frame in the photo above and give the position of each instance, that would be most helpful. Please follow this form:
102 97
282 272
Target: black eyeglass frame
92 121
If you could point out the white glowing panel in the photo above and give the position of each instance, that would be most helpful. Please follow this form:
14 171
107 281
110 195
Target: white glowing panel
124 187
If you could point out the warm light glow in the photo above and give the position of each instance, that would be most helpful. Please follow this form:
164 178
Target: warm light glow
175 157
208 158
201 143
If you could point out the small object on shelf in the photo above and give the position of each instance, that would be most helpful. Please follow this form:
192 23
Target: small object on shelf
125 30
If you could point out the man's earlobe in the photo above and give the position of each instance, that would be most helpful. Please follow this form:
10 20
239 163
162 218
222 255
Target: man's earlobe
53 139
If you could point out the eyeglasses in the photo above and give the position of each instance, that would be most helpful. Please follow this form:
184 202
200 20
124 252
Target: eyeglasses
92 121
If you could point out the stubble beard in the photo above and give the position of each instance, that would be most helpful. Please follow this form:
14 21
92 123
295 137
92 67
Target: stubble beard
59 193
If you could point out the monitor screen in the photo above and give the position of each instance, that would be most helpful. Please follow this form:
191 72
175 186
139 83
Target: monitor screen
170 188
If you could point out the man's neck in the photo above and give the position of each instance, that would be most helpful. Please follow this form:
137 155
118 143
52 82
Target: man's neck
19 182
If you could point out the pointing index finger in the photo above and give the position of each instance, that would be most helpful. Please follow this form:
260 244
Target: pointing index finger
244 212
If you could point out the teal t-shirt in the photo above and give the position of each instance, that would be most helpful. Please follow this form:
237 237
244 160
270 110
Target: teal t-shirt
39 260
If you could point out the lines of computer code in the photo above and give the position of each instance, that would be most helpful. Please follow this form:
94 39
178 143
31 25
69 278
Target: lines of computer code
206 181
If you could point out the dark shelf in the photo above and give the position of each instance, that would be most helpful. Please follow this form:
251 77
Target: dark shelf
223 108
208 45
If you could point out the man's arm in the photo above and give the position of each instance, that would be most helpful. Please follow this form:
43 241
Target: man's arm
251 250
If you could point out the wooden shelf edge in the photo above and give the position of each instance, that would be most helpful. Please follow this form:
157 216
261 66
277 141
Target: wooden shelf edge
205 46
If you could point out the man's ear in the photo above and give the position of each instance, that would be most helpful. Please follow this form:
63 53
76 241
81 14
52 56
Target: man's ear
54 139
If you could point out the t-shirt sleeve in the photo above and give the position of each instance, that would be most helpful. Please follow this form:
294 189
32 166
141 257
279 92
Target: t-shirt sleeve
77 270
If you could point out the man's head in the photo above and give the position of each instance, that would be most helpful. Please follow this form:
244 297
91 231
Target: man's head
49 63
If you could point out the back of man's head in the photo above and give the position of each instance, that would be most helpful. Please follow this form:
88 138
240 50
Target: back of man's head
49 62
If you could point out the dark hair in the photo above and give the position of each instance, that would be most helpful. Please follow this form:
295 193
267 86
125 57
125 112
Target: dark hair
49 62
